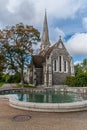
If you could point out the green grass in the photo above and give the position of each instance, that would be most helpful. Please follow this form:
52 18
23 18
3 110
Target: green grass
29 86
19 85
26 85
1 83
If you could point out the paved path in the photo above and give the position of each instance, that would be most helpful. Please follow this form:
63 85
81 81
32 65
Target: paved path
8 86
41 121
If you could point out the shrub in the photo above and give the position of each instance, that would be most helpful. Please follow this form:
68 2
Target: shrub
10 78
70 81
1 77
80 80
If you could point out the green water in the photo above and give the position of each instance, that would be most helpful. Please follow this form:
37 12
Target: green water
52 97
48 97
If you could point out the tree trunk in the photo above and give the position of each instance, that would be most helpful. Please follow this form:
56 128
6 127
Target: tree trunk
22 77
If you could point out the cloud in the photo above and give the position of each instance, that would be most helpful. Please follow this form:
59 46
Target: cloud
84 22
62 9
77 44
27 11
16 12
77 62
55 33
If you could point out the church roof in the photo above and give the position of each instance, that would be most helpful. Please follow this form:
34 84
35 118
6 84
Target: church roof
46 52
49 50
38 60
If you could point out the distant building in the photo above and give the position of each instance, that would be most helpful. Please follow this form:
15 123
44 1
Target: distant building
52 64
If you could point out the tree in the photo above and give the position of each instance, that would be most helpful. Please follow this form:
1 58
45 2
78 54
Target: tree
1 62
84 65
80 79
78 69
16 46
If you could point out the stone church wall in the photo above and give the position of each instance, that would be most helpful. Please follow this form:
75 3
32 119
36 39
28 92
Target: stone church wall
59 78
39 76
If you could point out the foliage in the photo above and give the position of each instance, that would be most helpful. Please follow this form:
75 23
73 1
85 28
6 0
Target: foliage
82 67
79 80
78 69
1 83
6 78
16 46
26 86
1 62
70 81
29 86
1 75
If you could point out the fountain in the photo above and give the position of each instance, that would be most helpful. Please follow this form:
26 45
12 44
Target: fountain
47 100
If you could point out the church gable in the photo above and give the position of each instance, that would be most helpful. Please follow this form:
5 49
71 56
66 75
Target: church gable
60 49
60 45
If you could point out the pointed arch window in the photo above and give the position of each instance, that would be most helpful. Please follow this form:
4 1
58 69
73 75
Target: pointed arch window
65 66
54 65
60 64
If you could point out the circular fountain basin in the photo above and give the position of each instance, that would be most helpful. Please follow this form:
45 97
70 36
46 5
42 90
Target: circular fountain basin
49 102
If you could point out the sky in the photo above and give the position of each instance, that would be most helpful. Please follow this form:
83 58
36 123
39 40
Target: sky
67 18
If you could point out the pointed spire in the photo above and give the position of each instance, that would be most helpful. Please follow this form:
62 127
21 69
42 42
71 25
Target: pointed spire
45 35
60 37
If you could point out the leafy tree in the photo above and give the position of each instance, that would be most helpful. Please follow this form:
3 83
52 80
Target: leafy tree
80 79
16 46
78 69
70 81
84 65
1 62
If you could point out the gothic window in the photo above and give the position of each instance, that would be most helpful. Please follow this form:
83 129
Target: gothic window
65 66
54 65
60 66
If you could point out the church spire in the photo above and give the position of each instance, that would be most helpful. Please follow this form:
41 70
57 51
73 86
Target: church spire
45 35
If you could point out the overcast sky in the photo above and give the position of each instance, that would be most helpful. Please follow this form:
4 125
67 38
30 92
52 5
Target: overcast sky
67 18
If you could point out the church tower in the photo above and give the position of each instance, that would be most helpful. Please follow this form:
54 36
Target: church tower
45 43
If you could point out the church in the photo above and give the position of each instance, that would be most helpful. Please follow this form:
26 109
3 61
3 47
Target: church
52 64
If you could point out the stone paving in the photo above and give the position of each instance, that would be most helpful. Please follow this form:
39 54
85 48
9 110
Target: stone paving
39 120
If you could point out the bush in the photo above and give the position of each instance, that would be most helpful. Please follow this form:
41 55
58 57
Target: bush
29 86
1 77
10 78
16 78
80 80
70 81
5 78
